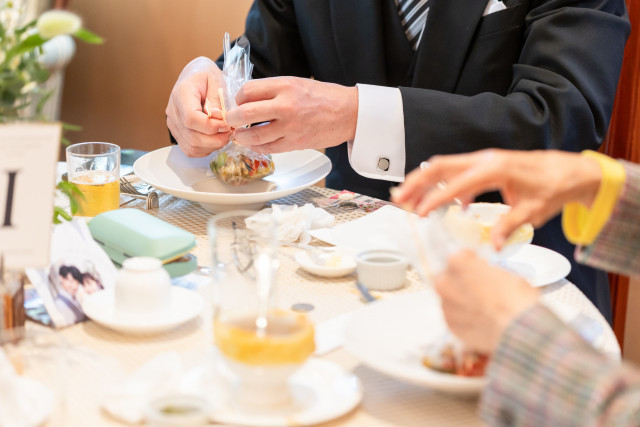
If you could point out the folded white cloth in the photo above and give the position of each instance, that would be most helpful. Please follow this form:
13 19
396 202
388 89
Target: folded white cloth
493 6
292 221
158 377
23 402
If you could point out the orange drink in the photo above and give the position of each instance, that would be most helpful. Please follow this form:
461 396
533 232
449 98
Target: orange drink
94 167
101 192
288 339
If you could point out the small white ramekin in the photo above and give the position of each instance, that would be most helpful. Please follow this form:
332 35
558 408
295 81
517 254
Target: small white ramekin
381 269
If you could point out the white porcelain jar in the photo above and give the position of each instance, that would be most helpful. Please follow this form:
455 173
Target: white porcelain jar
142 287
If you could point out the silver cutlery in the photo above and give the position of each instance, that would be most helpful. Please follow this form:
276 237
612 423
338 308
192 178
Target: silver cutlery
151 197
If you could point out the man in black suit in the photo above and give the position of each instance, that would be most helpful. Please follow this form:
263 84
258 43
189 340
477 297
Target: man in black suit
521 74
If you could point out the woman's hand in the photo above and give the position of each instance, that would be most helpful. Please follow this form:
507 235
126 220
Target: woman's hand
536 184
479 301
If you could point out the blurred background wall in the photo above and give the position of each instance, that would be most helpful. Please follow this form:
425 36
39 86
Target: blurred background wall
118 91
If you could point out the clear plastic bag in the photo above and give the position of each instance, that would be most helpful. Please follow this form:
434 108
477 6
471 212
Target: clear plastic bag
234 163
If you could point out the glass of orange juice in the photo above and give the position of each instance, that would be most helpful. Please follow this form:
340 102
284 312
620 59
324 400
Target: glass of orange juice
262 345
95 168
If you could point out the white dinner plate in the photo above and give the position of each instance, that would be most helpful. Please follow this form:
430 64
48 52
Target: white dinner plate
393 334
185 305
540 266
169 170
322 391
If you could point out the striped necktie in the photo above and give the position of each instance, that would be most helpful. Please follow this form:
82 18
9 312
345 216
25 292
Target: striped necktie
413 14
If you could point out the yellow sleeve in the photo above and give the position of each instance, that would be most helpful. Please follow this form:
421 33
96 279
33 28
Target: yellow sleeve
582 225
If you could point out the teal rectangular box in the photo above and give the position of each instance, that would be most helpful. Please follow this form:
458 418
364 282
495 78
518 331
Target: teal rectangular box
126 233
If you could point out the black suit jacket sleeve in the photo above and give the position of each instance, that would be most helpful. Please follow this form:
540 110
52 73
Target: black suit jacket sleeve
560 94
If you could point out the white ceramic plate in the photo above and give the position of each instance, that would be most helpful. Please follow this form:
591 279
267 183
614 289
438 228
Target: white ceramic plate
392 334
322 391
540 266
347 265
169 170
185 305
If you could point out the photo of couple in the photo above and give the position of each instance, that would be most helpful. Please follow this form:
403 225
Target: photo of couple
69 286
78 268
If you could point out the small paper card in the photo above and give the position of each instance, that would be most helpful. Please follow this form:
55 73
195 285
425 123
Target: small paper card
28 155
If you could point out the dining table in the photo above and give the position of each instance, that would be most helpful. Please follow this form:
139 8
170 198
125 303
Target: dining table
100 356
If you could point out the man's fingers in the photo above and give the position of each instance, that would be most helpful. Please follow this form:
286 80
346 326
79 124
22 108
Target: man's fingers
280 145
260 89
259 135
252 112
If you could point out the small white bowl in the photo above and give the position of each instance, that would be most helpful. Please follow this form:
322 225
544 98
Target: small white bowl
382 269
346 264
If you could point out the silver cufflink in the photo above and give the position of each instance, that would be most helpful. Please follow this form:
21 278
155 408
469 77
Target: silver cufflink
383 164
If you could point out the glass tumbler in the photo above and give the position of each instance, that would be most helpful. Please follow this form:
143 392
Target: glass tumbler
95 168
262 345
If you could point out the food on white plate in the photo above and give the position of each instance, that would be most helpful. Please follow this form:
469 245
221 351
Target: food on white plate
447 356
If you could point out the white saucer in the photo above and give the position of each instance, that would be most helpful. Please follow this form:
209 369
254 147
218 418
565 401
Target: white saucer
347 265
539 266
185 305
322 391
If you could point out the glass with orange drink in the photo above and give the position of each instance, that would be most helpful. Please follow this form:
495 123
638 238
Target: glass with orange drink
262 345
95 169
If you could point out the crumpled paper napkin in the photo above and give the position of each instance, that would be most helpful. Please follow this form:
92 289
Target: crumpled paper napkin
22 402
158 377
292 222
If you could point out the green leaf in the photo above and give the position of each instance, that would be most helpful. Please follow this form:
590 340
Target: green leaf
27 45
87 36
59 212
71 128
73 193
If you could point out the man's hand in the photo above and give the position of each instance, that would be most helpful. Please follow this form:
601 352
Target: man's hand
197 133
479 301
301 113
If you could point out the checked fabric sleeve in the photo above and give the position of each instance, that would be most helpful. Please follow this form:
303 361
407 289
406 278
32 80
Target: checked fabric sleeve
544 374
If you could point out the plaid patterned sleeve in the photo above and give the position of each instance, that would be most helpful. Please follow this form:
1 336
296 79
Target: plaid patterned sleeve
617 247
544 374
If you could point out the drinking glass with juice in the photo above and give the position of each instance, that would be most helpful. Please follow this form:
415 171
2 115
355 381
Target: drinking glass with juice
95 169
261 348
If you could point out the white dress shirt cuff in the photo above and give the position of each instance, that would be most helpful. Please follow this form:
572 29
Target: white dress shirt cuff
378 148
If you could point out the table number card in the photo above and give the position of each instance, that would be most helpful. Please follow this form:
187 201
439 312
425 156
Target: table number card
28 155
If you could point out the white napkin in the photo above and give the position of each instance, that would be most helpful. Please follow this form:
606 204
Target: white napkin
372 231
493 6
158 377
329 334
293 221
22 402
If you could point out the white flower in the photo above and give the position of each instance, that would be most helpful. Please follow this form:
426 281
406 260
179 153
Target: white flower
57 22
28 87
